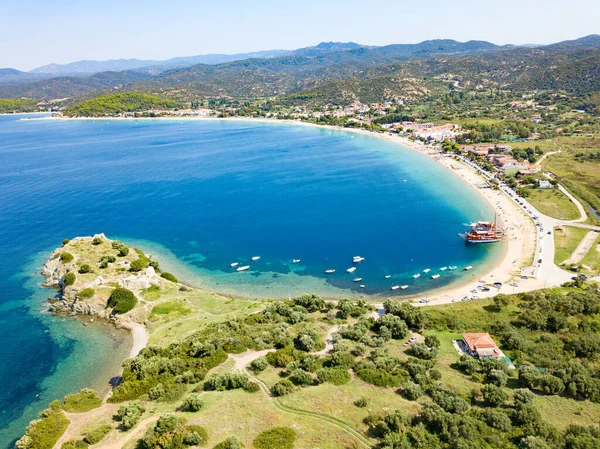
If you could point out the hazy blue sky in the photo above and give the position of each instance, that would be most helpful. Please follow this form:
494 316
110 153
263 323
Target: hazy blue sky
38 32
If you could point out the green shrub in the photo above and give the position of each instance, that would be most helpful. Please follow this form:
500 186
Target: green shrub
105 260
97 241
259 365
130 414
65 241
195 436
121 300
226 381
121 247
379 377
139 264
229 443
361 402
85 268
69 278
252 387
278 437
168 276
335 376
86 293
66 257
74 444
97 433
283 387
193 403
84 401
412 391
281 357
43 433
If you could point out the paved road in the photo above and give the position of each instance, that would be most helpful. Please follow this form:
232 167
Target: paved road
544 251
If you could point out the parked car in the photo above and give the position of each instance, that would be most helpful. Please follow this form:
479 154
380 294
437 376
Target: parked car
539 260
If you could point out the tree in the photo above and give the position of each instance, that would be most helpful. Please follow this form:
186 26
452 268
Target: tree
396 326
432 341
494 395
501 300
412 391
523 396
496 377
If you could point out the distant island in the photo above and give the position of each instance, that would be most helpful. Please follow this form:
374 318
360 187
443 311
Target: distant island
231 373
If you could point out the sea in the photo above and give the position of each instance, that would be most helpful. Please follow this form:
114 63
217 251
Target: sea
200 195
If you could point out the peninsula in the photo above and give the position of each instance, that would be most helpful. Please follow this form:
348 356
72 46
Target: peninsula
220 372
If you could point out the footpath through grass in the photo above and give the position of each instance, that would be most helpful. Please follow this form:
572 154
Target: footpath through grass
566 241
554 203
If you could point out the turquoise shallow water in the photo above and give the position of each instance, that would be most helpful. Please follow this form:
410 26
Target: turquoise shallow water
204 194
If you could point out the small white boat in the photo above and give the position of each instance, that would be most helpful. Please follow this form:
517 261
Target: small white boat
357 279
357 259
362 285
331 270
435 276
255 258
443 268
404 287
351 270
416 276
296 260
467 268
234 264
387 276
395 287
452 267
243 268
426 270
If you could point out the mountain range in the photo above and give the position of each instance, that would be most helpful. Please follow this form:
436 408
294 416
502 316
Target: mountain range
324 67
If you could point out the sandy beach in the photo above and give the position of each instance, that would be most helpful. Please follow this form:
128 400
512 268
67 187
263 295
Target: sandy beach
519 244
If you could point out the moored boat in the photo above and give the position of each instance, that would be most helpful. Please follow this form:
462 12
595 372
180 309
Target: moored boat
351 270
468 267
435 276
243 268
452 267
404 287
416 276
234 264
296 260
357 259
331 270
357 279
443 268
387 276
426 270
255 258
395 287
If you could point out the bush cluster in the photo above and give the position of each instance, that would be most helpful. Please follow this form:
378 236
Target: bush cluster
130 414
122 249
84 401
66 257
168 276
96 434
86 293
121 300
277 437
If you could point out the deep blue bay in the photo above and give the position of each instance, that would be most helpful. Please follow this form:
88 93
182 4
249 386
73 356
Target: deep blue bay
200 195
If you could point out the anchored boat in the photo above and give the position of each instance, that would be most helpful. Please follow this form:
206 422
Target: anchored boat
483 232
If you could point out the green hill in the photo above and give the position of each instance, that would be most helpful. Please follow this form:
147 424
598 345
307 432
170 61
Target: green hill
119 103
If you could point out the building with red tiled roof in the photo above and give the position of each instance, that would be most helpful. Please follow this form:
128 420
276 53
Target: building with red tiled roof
481 345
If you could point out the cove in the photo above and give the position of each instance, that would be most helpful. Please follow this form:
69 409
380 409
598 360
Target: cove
201 195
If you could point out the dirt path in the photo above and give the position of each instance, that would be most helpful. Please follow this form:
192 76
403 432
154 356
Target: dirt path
328 341
242 360
135 434
79 421
582 249
365 442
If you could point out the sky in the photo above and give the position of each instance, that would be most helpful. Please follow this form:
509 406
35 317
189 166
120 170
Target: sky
39 32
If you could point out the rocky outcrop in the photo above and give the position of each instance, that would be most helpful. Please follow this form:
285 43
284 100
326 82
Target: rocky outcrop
53 270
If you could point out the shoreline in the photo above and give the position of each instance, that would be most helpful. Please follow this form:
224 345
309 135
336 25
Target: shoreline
518 248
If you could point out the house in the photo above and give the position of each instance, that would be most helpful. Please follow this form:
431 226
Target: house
544 184
481 345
